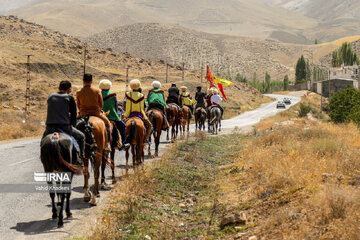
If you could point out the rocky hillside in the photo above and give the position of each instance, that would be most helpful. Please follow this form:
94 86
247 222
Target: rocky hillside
227 53
326 60
336 18
58 56
236 17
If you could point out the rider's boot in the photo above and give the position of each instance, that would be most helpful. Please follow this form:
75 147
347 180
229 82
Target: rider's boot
148 126
165 123
108 146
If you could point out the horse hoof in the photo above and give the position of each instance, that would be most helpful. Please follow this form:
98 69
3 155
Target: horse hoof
93 203
104 186
113 181
60 225
97 195
87 199
69 215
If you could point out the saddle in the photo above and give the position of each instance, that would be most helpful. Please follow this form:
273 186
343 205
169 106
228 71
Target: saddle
75 143
178 107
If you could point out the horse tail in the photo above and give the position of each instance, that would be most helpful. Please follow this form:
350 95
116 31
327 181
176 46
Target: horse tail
214 118
132 132
56 155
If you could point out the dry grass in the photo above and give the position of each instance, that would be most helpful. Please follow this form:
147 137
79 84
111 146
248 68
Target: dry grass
12 125
298 181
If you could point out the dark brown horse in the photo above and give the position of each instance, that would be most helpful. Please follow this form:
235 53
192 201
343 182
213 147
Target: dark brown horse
135 133
56 156
200 118
186 118
156 118
173 117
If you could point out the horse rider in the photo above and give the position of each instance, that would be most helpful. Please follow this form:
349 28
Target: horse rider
135 106
208 101
156 99
216 100
61 115
111 106
185 98
200 98
173 96
90 102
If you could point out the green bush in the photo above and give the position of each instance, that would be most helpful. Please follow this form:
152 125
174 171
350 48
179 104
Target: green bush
304 110
344 106
355 115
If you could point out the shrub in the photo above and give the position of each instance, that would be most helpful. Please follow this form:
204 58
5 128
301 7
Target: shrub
304 110
342 106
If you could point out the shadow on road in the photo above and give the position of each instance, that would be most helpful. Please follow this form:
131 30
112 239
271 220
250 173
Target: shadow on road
39 227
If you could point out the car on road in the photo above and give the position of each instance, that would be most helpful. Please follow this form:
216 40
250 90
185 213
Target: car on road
280 104
287 101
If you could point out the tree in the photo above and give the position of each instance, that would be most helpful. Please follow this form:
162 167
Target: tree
308 71
286 83
254 77
241 78
316 41
343 106
300 71
344 55
267 82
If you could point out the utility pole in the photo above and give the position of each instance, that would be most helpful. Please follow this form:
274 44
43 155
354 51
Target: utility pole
27 93
167 72
85 59
183 71
329 86
127 79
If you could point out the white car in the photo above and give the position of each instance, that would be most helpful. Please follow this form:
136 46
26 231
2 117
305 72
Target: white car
280 104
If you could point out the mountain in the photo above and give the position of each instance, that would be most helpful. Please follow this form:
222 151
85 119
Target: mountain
225 54
235 17
57 56
9 5
336 18
323 10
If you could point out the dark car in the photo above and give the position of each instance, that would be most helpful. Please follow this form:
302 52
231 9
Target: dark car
280 104
287 101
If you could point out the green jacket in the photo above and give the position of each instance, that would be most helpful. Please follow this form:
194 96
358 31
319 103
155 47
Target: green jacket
156 95
110 104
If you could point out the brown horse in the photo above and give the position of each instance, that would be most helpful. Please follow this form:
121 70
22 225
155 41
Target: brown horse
110 160
100 135
156 118
135 133
186 113
200 118
172 114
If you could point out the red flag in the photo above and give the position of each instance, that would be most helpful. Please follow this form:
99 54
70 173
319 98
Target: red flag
222 90
210 77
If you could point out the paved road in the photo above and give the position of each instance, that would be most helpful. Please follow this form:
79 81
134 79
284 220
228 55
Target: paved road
27 215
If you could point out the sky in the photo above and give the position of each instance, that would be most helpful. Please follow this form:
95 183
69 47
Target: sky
8 5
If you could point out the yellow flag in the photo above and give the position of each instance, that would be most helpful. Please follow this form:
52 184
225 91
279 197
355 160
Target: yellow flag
222 81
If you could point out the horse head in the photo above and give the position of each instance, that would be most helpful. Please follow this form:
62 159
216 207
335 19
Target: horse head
84 125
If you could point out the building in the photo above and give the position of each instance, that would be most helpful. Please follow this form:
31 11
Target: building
345 72
329 87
